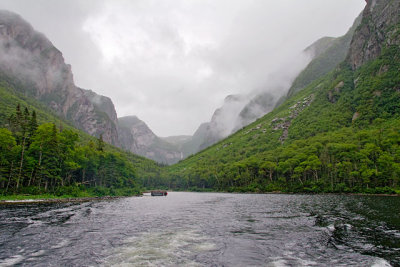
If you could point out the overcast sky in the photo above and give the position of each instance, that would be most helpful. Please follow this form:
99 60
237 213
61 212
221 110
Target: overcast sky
172 62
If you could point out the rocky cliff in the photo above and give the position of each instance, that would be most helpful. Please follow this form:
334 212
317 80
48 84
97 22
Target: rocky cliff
136 136
377 31
30 58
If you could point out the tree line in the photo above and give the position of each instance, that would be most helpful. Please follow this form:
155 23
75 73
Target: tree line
43 158
347 160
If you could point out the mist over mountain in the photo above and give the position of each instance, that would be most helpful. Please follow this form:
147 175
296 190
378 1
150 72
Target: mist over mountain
30 58
33 60
339 133
316 60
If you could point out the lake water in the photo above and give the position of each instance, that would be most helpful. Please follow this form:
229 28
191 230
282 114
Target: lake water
205 229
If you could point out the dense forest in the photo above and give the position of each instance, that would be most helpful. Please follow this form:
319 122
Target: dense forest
39 159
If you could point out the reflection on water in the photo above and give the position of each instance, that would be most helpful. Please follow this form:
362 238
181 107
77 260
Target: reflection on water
205 229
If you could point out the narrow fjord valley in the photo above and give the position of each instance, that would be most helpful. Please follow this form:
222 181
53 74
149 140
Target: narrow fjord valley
332 126
336 130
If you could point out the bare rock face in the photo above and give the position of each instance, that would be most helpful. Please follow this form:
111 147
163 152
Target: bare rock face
136 136
104 107
375 32
31 59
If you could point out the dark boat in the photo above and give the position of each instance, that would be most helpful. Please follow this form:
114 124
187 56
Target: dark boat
159 193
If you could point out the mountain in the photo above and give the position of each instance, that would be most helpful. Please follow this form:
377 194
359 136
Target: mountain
30 58
136 136
223 120
257 107
57 157
38 70
194 144
340 133
327 53
178 140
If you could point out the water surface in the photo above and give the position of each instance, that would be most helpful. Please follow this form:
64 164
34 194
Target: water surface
205 229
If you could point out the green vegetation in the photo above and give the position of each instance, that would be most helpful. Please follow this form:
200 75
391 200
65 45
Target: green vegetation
339 134
37 159
338 131
79 170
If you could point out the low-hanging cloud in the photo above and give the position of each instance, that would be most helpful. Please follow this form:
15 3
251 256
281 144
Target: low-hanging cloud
172 63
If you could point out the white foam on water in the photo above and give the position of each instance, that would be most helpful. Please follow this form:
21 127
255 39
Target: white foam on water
61 244
289 259
278 263
38 253
307 263
23 201
381 263
11 261
161 249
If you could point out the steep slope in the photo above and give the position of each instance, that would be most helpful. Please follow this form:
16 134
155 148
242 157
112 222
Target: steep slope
31 59
136 136
264 102
10 98
327 54
340 133
257 107
379 29
193 145
223 119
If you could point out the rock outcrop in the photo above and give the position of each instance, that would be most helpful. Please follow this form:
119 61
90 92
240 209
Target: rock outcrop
136 136
31 59
375 32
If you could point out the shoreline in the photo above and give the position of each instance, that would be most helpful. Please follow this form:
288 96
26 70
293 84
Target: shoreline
89 199
57 200
294 193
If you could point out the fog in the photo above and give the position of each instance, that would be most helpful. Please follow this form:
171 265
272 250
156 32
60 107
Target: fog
172 63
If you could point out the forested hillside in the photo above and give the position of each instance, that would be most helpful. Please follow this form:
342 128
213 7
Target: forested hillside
339 134
43 154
